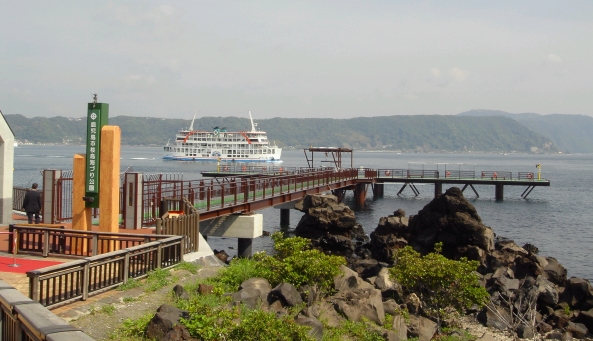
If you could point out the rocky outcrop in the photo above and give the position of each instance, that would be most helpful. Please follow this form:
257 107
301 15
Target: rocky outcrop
329 224
517 277
520 281
449 218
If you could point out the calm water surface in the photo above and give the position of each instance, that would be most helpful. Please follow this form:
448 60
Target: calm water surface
556 219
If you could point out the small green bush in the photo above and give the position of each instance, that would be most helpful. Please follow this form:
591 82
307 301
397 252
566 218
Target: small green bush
210 323
238 271
438 281
297 264
258 325
350 330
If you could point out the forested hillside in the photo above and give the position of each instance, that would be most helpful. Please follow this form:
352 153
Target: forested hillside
571 133
406 133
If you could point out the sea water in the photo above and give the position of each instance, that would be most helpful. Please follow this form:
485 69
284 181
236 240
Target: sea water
556 219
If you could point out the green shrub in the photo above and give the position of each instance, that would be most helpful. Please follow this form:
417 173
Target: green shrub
238 271
258 325
210 323
350 330
439 282
297 264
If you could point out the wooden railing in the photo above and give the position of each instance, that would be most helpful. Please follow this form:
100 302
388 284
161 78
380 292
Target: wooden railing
23 319
78 279
220 193
55 240
180 219
258 182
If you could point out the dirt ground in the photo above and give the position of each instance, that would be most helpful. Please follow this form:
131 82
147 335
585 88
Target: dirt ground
101 321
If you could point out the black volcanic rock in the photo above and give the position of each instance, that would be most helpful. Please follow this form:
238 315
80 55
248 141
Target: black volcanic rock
449 218
329 224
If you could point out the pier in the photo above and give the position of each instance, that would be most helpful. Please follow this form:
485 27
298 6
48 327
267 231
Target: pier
498 179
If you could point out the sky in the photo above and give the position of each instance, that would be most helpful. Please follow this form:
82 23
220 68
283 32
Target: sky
295 59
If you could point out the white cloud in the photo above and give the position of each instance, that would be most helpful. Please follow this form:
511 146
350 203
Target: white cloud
141 78
137 15
168 10
459 74
435 72
554 58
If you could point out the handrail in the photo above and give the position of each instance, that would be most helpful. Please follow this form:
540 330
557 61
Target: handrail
449 174
46 241
62 283
22 316
237 190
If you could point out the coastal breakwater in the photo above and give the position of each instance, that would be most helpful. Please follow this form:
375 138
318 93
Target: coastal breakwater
513 275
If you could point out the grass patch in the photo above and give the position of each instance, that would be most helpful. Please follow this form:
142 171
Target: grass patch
350 330
188 266
107 309
130 284
157 279
132 329
129 299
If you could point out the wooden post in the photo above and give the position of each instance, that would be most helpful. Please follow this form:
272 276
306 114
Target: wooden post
81 215
45 251
109 181
85 281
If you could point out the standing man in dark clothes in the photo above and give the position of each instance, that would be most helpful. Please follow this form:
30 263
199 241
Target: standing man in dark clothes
32 204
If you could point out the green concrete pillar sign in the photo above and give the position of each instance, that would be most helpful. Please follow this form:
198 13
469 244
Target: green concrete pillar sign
97 117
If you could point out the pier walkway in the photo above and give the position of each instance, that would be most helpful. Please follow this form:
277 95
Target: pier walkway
235 189
498 179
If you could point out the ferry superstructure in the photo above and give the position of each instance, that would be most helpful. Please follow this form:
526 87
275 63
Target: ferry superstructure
222 145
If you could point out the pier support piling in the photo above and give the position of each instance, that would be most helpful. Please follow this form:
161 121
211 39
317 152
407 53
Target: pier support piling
360 193
284 216
499 192
438 189
244 247
378 190
340 193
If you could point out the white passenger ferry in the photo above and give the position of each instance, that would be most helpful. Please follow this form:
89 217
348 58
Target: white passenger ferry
220 144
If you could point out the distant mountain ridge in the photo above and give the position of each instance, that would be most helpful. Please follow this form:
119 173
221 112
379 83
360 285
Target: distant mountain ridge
571 133
434 133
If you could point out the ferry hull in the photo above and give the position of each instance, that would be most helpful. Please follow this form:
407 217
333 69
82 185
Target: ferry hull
195 158
222 145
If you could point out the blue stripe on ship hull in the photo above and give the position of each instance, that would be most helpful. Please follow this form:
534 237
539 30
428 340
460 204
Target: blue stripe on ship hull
177 158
